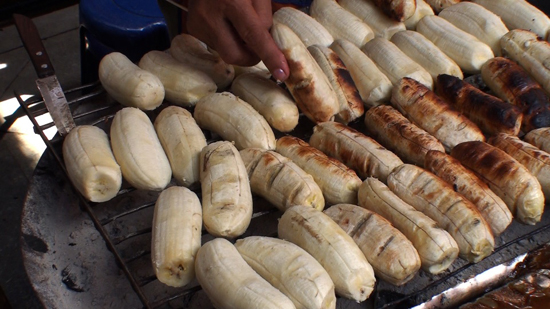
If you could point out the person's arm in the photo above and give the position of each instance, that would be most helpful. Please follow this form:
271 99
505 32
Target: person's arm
239 31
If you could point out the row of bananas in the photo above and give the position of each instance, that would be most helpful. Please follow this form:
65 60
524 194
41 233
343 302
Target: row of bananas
438 174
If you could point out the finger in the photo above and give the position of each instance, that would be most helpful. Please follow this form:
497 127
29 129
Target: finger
259 40
264 12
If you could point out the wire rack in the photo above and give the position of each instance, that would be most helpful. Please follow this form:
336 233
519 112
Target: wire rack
125 222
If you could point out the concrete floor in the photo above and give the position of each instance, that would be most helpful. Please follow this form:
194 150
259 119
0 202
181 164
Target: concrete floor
20 148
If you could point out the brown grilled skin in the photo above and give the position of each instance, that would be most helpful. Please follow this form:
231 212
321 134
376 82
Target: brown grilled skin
395 132
490 113
513 84
399 10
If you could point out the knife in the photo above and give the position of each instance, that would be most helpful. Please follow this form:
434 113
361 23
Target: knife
47 82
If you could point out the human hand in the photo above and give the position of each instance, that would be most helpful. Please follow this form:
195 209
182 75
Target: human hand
238 30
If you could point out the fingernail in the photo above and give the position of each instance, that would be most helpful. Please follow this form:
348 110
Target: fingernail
279 75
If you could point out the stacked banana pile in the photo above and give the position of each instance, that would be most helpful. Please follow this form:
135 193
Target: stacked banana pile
439 172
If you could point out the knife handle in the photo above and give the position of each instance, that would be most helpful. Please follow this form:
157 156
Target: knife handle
34 46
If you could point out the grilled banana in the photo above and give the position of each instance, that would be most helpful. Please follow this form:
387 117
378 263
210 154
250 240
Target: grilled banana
435 246
394 63
531 52
309 30
138 150
128 84
290 269
226 194
465 49
234 120
508 178
465 182
422 9
90 163
356 150
269 99
534 159
176 235
327 242
338 182
491 114
182 141
428 111
395 132
374 87
370 14
230 282
280 181
189 50
510 82
437 199
307 83
399 10
426 54
391 255
351 105
540 138
477 21
341 23
183 84
519 14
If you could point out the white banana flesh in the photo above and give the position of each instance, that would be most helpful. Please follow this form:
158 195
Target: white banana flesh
435 246
465 49
338 182
392 256
320 236
540 138
439 5
90 163
369 13
309 30
374 87
234 120
138 151
269 99
280 181
191 51
437 199
183 84
531 52
128 84
176 236
182 141
231 283
477 21
356 150
226 194
341 23
307 83
422 9
258 68
394 63
290 269
351 104
519 14
426 54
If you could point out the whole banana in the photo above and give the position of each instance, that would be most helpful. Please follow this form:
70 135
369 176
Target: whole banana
137 149
176 236
230 282
90 163
320 236
182 141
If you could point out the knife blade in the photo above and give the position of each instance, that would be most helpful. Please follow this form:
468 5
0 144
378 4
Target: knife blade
47 82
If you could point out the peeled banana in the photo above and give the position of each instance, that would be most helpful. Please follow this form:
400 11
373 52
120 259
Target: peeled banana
90 163
189 50
439 5
370 14
182 141
422 9
230 282
176 236
290 269
309 30
129 84
234 120
137 149
327 242
540 138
